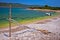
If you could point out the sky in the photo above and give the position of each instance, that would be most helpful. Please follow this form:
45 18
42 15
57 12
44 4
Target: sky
35 2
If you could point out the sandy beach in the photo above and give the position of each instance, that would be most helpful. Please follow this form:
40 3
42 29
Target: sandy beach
49 30
46 10
30 20
46 29
17 28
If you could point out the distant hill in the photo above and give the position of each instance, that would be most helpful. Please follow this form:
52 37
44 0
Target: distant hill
12 4
17 5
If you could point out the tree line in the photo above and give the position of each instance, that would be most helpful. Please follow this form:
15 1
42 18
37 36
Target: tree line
46 7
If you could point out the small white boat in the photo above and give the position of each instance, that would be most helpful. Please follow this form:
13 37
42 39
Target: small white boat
49 14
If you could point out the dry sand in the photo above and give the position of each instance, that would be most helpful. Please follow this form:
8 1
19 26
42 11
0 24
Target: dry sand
47 10
50 30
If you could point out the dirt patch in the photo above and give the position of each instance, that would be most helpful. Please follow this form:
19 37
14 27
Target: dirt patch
45 32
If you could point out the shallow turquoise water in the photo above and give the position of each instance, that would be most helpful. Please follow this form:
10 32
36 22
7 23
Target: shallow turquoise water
20 14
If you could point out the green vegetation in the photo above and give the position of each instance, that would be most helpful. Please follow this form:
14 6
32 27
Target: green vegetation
46 7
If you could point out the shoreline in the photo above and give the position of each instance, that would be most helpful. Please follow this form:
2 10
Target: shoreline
37 22
27 21
33 20
47 31
46 10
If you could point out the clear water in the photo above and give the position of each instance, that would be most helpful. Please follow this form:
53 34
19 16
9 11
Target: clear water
20 14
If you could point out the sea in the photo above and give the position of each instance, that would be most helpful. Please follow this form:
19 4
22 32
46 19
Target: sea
20 14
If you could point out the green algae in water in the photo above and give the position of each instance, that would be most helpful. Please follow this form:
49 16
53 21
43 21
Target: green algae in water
21 15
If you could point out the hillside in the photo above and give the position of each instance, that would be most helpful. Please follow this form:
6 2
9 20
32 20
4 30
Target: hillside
17 5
